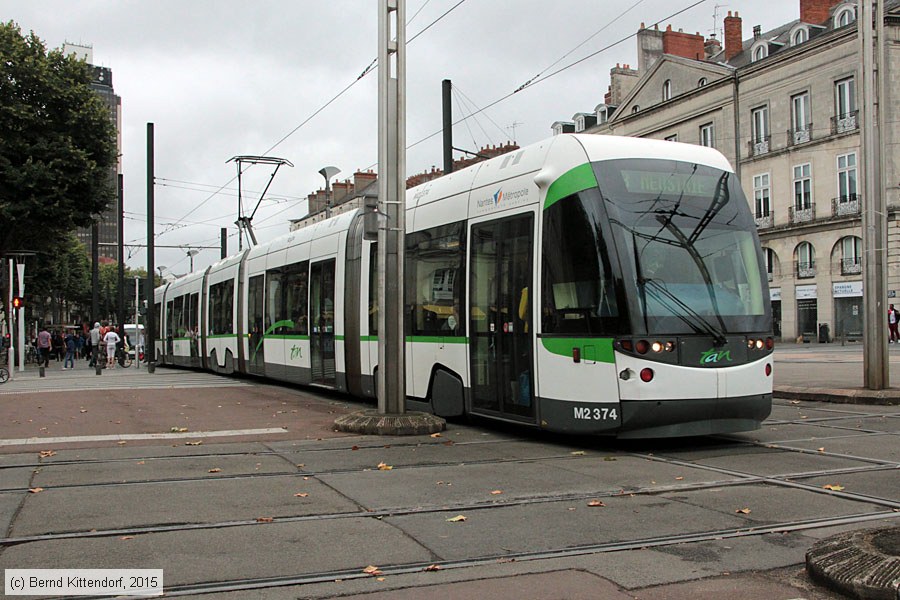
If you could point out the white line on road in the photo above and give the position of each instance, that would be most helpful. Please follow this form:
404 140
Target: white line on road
138 436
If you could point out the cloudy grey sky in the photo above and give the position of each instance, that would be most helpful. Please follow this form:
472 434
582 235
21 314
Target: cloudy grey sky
220 78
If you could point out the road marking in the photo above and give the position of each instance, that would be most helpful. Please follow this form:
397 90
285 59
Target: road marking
124 437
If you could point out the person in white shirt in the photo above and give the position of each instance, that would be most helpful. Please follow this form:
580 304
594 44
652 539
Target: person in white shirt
111 338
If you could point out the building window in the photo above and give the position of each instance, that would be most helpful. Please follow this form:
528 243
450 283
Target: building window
701 82
802 209
760 52
799 36
769 256
851 255
601 116
847 202
708 135
806 260
844 16
672 138
800 118
667 90
845 105
760 125
762 194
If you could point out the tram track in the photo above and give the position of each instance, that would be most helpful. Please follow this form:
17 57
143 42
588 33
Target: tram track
301 579
739 478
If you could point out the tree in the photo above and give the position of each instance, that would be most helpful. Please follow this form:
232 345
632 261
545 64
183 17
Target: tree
57 144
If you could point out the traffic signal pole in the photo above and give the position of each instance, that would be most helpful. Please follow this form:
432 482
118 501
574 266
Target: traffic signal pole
12 345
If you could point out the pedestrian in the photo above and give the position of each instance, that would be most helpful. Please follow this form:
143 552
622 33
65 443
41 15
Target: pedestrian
893 319
70 352
57 343
95 345
111 338
44 345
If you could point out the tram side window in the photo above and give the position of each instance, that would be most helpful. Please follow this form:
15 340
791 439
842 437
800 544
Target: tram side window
193 314
255 308
296 296
578 292
157 311
221 300
177 327
170 319
434 259
373 289
275 312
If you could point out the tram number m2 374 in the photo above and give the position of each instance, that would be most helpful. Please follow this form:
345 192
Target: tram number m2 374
595 414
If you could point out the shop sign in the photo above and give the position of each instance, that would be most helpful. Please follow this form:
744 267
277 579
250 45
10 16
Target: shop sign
806 292
775 294
847 289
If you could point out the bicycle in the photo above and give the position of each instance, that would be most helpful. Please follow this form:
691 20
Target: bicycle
123 358
4 375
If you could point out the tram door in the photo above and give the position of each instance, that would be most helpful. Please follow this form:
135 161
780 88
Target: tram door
321 318
499 313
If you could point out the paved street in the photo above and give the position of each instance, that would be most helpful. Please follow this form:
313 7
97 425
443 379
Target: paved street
238 489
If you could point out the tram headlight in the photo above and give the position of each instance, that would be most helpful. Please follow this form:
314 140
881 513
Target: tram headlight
759 344
670 346
657 347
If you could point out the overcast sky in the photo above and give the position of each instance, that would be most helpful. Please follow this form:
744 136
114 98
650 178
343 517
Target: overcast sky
220 78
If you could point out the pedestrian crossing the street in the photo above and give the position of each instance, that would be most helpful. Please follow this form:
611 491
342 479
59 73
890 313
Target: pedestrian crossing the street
56 379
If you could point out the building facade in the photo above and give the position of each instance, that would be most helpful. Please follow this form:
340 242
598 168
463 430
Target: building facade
782 106
102 84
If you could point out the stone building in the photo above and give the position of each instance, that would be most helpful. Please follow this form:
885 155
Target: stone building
782 106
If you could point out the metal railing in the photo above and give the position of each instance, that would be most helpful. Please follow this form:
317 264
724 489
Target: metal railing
805 270
802 215
800 135
759 145
843 206
844 123
851 266
764 221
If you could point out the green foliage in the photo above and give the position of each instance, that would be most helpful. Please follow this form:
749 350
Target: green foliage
57 145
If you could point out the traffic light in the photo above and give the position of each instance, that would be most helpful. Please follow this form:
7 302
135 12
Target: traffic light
18 302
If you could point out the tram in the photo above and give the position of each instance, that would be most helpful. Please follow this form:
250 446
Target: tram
584 284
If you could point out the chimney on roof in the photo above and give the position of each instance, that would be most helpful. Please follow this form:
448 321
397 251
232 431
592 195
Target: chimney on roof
757 32
816 11
733 36
685 45
712 46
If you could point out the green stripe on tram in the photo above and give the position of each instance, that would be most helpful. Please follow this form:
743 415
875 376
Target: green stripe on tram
572 181
593 349
221 336
436 339
287 336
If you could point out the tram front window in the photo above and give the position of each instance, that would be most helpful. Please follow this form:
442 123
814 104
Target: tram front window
578 292
687 246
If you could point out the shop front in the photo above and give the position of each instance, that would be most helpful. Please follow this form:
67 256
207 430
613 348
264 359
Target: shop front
807 312
848 310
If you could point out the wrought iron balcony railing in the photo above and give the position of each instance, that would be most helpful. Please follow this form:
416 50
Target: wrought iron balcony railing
799 135
764 221
843 206
803 214
851 266
846 122
759 145
806 270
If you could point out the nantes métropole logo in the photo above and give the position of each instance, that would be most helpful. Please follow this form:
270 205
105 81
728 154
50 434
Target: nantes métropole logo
498 196
507 199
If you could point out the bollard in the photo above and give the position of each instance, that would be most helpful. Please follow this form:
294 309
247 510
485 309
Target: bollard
41 368
98 369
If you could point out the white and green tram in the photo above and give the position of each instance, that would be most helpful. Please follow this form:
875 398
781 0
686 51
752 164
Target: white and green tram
584 284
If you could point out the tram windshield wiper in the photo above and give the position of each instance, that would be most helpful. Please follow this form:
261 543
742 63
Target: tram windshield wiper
680 309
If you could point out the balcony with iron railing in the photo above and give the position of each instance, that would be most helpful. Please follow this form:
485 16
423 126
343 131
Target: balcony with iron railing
849 205
799 135
802 214
845 123
759 145
764 220
805 270
851 266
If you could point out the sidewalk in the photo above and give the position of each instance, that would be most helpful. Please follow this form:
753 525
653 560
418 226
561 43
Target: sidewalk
831 373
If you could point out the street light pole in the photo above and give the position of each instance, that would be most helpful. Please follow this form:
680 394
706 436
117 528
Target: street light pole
192 252
328 173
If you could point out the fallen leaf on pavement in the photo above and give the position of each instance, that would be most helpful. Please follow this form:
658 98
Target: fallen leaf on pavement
595 503
743 511
679 478
83 410
436 435
264 519
36 490
301 495
495 492
198 443
127 537
834 487
216 470
354 447
372 570
432 568
456 519
821 449
178 429
578 453
384 467
47 453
